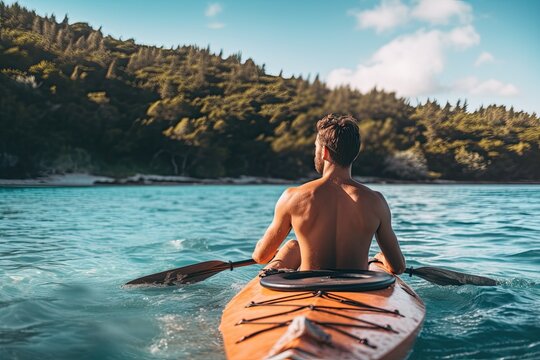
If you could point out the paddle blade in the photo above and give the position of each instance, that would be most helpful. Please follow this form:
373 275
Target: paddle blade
184 275
448 277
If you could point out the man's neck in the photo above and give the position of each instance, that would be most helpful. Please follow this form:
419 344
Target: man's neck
336 173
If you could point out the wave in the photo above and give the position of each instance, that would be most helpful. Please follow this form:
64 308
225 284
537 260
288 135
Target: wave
528 254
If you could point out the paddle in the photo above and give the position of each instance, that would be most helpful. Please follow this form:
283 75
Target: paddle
198 272
448 277
189 274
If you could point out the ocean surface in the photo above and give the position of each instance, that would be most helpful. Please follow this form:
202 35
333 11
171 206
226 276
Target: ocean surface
65 253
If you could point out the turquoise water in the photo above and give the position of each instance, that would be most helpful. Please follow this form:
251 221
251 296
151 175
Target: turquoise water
65 252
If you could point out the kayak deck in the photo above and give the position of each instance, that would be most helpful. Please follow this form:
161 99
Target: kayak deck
260 323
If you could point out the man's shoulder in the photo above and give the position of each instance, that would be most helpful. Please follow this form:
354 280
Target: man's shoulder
290 193
295 191
369 196
299 194
291 198
307 188
365 190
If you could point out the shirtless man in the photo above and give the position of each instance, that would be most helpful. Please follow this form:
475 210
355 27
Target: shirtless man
334 217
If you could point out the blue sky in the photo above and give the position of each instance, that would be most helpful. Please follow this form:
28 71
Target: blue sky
485 51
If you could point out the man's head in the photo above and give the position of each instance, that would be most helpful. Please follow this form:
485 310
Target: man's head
341 137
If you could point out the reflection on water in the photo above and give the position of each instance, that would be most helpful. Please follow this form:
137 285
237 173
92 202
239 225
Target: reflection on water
65 252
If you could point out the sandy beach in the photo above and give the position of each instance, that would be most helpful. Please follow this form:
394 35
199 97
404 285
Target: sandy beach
84 179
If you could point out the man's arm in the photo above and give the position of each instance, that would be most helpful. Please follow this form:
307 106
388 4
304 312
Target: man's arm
387 240
277 231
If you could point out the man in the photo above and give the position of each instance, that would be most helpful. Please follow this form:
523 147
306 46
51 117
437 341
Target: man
334 217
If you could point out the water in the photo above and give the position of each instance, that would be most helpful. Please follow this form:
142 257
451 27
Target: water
65 252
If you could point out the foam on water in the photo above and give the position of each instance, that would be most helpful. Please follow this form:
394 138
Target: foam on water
66 252
177 244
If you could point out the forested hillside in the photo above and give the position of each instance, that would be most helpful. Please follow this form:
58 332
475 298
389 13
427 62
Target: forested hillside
72 99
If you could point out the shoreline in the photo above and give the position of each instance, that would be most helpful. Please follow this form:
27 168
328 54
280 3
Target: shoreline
88 180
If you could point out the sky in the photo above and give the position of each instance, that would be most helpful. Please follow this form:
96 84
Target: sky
482 51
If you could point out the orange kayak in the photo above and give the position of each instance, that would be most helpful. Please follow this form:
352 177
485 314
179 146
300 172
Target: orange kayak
260 323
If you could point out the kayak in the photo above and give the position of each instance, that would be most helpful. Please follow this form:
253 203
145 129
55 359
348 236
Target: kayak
265 323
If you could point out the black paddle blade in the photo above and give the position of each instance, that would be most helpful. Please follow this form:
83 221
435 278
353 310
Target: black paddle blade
184 275
448 277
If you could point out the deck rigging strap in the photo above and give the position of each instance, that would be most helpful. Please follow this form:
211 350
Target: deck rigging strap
354 305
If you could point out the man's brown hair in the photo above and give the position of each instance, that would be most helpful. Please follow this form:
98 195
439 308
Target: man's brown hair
340 134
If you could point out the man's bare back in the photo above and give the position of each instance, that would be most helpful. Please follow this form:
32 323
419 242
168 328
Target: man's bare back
334 217
334 222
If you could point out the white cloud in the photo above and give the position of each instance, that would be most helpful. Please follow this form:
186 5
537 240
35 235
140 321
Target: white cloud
412 64
213 9
463 37
408 65
389 14
484 58
474 86
441 11
216 25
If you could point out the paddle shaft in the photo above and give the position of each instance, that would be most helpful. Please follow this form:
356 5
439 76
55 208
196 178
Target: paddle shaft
242 263
203 274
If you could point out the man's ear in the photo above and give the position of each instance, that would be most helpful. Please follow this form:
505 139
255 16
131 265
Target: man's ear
326 154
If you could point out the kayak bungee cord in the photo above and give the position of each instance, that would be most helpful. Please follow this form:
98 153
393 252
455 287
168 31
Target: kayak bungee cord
356 306
279 301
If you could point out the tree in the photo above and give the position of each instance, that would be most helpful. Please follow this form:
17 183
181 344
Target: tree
37 25
60 39
65 22
111 71
167 89
80 44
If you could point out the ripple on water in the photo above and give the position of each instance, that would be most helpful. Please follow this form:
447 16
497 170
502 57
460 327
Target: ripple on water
533 254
